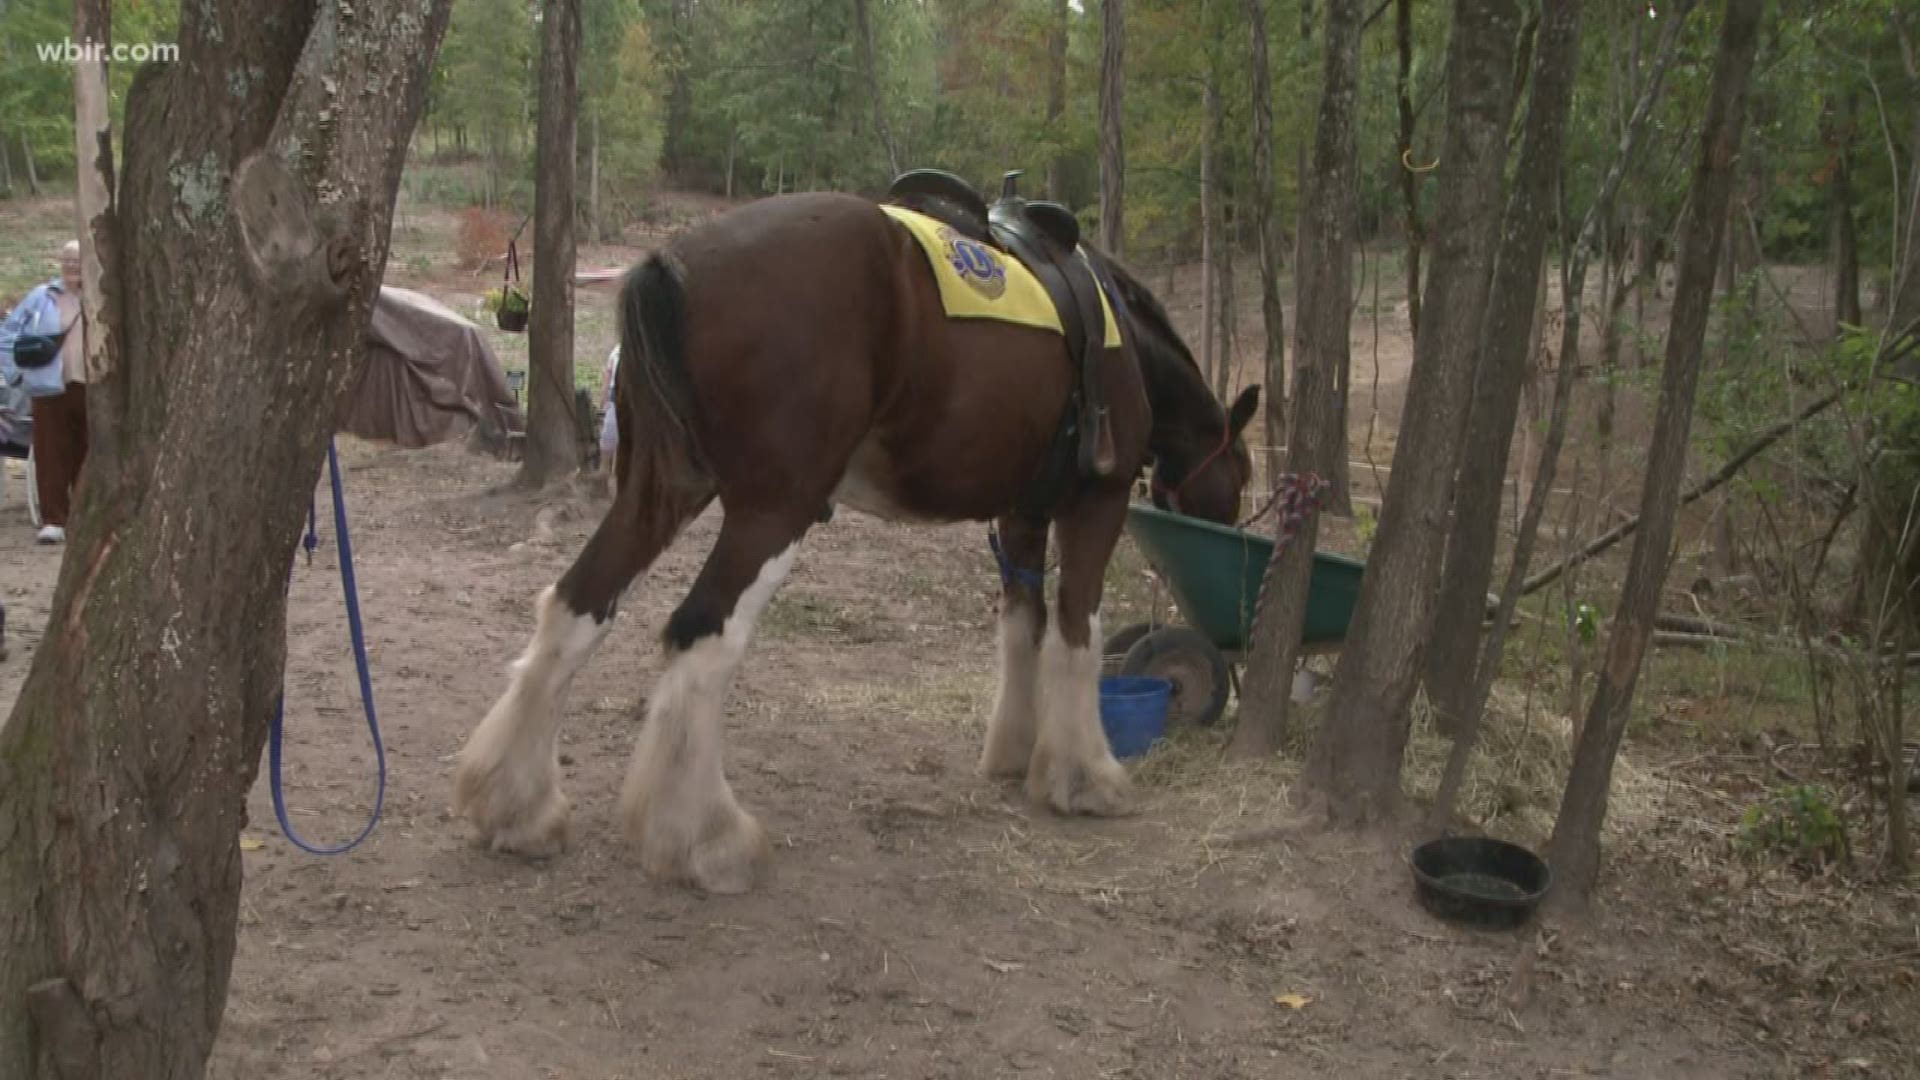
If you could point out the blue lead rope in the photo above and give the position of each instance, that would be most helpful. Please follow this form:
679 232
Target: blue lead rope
312 541
1010 573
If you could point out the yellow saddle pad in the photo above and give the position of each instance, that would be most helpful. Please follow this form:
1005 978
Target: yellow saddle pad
980 282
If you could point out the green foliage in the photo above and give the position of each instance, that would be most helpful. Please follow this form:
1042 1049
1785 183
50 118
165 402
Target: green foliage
483 79
625 112
1586 622
1366 526
512 300
1800 824
36 95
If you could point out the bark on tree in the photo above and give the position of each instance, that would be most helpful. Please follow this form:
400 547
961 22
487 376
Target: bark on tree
1846 245
1409 169
1324 278
125 764
553 447
1309 16
676 155
1356 762
1574 849
1506 342
1113 151
1057 98
1209 217
593 181
1273 315
33 170
863 24
1223 308
1573 283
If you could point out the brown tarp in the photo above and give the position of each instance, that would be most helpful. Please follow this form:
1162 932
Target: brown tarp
430 376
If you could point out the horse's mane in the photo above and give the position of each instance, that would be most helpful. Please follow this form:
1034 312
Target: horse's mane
1144 306
1159 344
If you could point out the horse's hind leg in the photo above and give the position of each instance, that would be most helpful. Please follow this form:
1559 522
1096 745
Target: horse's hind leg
1023 615
1073 768
507 782
679 808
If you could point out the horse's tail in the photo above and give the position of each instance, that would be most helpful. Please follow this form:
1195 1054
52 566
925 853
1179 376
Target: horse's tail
656 411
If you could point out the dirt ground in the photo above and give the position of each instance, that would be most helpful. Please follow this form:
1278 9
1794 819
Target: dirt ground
920 922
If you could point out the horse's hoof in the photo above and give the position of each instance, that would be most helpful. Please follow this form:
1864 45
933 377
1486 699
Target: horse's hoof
534 822
540 835
998 763
726 856
734 861
1101 789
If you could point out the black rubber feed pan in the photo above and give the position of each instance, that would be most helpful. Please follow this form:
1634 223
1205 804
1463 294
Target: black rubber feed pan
1479 881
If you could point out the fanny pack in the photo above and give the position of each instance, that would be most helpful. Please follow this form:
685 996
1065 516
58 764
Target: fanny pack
34 351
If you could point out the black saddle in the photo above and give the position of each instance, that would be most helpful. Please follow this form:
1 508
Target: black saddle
1045 238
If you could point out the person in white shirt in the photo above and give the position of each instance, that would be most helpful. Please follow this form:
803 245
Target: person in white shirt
609 430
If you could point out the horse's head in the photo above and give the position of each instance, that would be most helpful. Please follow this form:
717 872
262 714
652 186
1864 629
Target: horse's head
1202 466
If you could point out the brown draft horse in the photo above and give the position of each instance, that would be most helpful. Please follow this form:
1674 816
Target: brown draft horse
790 355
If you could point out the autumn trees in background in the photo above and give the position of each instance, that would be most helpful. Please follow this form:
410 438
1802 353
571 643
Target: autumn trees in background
1479 160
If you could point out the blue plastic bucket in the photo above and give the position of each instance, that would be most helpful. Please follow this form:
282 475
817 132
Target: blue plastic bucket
1133 712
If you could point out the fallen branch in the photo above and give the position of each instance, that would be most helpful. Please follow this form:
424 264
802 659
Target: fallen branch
1689 624
1720 476
1685 640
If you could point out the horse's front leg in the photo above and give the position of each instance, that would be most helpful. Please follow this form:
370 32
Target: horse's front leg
1023 615
1073 768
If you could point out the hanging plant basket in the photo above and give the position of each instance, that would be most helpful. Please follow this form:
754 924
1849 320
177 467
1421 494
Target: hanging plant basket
511 314
511 308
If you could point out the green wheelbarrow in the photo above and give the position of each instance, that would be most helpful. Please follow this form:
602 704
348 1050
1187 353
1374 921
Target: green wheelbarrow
1214 573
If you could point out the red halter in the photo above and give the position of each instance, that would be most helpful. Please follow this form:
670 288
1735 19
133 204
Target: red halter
1173 495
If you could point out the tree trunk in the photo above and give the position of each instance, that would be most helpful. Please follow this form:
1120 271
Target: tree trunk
1573 283
595 228
1057 97
1646 279
1506 344
1574 849
1846 244
33 171
864 26
125 766
1408 167
676 156
1899 847
6 171
1113 154
553 430
1209 218
1356 762
1223 301
1272 314
733 140
1324 278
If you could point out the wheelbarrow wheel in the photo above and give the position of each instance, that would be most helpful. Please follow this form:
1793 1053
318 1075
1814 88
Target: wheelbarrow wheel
1114 650
1197 670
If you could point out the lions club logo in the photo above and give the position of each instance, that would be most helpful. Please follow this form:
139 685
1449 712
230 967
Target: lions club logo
975 264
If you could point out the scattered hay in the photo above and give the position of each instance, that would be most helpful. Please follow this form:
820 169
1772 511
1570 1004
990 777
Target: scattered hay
1519 771
918 699
1205 807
